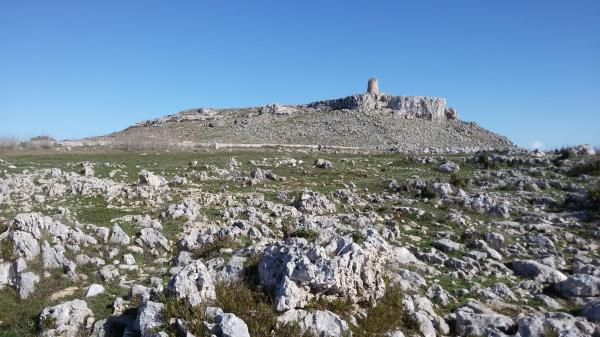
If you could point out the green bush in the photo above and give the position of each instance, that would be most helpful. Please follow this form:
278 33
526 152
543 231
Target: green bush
308 234
6 249
252 306
458 180
193 316
485 161
428 192
386 316
594 195
566 153
358 237
590 166
341 306
212 249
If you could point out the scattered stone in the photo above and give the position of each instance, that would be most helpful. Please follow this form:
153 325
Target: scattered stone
151 179
322 163
449 167
94 290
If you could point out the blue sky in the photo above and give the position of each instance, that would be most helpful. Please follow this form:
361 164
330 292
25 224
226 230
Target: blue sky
527 69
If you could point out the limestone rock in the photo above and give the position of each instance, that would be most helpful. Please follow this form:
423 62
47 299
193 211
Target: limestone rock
320 322
591 311
149 317
26 284
451 113
25 245
65 319
193 283
449 167
296 268
94 290
152 238
118 236
477 320
151 179
579 285
188 209
323 163
229 325
539 272
314 203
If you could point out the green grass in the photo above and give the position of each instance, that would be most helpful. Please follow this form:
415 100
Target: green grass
387 315
19 317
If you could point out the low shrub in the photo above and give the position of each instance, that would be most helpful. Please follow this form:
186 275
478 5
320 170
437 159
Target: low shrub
594 195
386 316
308 234
590 166
212 249
193 316
6 249
459 181
565 153
358 237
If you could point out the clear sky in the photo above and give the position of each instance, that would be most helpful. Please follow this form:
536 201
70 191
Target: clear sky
527 69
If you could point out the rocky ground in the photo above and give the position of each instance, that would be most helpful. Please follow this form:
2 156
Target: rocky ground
290 243
405 123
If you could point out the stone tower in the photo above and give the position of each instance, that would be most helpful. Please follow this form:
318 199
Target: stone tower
373 87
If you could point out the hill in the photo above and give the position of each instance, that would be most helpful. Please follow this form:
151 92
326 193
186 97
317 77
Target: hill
369 120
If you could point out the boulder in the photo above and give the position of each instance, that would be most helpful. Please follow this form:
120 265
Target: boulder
314 203
424 324
53 257
229 325
322 163
118 236
449 167
149 317
66 319
295 269
579 285
447 245
94 290
539 272
26 284
496 240
474 319
585 149
442 190
451 113
188 209
320 322
151 179
193 283
25 245
554 324
152 238
37 224
591 311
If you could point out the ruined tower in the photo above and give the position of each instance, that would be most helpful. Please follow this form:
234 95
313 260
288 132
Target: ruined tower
373 87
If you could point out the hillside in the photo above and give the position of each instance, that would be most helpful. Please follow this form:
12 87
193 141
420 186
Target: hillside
370 120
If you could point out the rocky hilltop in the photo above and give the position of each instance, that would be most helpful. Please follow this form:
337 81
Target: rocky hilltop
368 120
